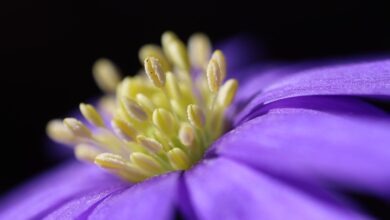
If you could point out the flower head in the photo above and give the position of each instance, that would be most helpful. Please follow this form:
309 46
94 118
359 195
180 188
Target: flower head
162 119
298 132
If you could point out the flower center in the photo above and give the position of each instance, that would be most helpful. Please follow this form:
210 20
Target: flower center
161 120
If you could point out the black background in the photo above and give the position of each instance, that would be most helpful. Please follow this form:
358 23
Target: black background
47 50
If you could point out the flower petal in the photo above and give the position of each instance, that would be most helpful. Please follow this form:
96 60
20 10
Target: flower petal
252 81
350 149
370 79
223 189
65 192
152 199
331 104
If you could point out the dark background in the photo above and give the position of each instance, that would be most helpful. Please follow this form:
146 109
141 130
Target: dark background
47 49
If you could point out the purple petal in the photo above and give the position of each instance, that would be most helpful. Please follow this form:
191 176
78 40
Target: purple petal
223 189
252 83
330 104
256 78
152 199
348 147
65 192
370 79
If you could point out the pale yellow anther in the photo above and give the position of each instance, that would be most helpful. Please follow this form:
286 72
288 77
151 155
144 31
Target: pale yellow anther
110 161
92 116
151 50
186 134
134 109
145 102
195 115
214 77
173 86
178 159
131 86
166 38
130 173
106 75
86 152
124 129
220 58
175 50
227 92
199 49
146 162
59 132
154 71
149 143
118 165
165 121
77 127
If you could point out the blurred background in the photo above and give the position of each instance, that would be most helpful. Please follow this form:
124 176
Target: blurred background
47 50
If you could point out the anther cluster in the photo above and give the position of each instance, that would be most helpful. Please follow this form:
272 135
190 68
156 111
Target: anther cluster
160 120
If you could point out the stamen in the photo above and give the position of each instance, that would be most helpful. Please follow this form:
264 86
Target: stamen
146 162
86 152
227 93
110 161
150 50
154 71
186 134
178 159
214 76
92 116
149 143
175 50
195 116
220 59
145 103
106 75
124 129
59 132
77 127
199 49
118 165
161 121
165 121
134 110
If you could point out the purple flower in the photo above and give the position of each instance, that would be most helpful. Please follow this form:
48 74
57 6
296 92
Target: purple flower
298 132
